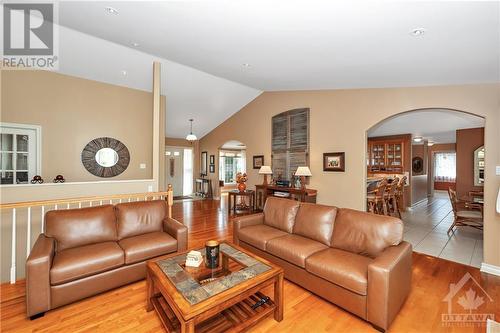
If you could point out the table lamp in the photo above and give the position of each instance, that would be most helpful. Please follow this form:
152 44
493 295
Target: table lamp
303 172
265 170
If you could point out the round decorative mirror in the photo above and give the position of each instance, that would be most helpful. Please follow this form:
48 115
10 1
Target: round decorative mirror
417 165
105 157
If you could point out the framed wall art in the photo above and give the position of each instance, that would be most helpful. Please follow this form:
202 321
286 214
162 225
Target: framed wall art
334 161
258 161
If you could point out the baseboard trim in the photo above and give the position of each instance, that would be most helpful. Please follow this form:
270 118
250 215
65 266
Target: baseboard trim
491 269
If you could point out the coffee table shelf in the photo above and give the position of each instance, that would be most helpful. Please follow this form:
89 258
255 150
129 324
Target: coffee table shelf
236 318
202 299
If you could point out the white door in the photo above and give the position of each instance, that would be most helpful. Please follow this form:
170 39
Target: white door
19 155
174 162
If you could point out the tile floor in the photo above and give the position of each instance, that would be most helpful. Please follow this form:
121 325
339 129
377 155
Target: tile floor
425 228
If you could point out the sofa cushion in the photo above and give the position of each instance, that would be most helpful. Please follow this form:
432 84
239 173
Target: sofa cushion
77 227
142 217
294 249
143 247
79 262
259 235
315 222
365 233
342 268
280 213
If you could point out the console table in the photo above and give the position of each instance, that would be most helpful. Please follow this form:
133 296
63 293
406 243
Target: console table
203 187
262 191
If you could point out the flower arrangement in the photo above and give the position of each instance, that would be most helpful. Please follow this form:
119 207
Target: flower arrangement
241 179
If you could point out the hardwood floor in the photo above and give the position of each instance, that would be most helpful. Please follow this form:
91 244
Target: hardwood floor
124 309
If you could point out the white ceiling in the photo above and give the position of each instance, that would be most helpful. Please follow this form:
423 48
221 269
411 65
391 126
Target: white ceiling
233 144
423 123
190 93
307 44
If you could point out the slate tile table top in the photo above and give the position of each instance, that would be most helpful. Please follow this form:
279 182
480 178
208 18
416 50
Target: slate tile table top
184 297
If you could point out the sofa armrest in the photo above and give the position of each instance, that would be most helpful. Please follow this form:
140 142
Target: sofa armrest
389 283
38 267
177 230
245 221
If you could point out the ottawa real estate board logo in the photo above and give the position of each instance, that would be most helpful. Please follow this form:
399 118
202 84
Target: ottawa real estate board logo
467 304
29 36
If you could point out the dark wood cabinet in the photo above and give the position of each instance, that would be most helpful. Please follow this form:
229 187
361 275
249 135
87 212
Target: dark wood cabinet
385 156
263 191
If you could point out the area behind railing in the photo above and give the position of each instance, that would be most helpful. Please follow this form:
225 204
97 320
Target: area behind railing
27 221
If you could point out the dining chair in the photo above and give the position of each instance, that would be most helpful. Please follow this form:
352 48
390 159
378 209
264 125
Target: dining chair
463 214
400 194
391 200
376 199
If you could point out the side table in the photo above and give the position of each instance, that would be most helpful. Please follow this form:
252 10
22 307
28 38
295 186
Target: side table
231 202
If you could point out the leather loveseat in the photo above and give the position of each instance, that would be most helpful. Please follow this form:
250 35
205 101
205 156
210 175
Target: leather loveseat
87 251
354 259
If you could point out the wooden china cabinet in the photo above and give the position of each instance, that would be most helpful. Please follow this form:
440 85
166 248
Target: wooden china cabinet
385 156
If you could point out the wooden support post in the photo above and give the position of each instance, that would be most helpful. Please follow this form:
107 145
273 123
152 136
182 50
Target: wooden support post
170 199
156 124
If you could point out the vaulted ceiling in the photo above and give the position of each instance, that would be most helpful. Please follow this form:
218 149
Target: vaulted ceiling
219 55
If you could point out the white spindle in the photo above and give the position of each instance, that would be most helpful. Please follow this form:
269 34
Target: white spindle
80 204
55 207
128 199
28 233
43 220
145 198
110 201
13 257
67 206
90 204
100 203
120 200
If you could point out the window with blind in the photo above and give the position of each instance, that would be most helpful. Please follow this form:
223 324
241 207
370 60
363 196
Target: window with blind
445 167
290 142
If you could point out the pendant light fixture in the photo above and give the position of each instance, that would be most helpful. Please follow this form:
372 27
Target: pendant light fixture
191 137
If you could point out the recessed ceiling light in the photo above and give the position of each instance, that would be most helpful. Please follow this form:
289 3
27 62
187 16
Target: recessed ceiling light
135 44
246 65
124 72
111 10
417 32
417 139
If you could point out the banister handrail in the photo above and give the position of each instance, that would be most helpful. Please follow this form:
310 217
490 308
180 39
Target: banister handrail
38 203
56 204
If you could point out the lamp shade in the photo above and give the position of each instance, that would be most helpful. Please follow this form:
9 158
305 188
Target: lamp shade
191 137
265 170
303 171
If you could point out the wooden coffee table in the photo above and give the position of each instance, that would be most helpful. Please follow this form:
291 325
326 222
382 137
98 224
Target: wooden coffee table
213 300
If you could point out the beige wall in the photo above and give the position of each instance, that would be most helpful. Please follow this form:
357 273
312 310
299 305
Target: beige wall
177 142
339 121
72 112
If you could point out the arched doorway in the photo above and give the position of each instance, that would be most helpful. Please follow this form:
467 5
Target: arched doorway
435 149
231 160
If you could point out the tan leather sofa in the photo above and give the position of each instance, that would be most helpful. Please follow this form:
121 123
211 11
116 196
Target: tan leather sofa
87 251
354 259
